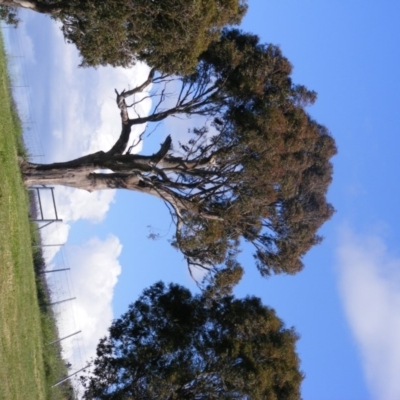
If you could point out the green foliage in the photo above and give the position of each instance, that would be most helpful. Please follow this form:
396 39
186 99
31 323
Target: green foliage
271 166
219 283
258 169
166 34
173 345
9 15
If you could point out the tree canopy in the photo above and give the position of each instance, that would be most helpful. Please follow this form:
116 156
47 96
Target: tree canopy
167 34
257 169
174 345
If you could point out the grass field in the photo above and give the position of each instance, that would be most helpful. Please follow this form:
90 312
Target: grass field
28 367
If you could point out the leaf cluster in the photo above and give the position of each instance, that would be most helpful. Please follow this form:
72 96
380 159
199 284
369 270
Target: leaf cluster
271 168
9 15
173 345
166 34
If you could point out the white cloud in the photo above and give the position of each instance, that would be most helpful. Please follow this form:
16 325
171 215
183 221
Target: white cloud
72 205
370 290
53 236
93 276
78 204
83 118
83 112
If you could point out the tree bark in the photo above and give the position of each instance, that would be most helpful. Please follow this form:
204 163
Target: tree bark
157 174
83 178
131 172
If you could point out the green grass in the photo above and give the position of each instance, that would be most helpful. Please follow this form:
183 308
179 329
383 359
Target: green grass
28 367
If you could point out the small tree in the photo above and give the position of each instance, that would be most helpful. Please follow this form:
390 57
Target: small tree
166 34
258 171
173 345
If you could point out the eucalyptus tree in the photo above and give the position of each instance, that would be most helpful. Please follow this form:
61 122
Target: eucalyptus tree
171 344
257 171
166 34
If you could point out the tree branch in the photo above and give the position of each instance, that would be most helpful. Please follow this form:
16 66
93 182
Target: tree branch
122 143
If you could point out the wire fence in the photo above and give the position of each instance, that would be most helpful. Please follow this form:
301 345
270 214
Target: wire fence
64 300
21 90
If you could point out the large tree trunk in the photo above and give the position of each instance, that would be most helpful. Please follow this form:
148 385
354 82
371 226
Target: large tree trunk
129 173
157 174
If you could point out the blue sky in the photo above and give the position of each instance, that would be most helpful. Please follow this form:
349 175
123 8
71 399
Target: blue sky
346 302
